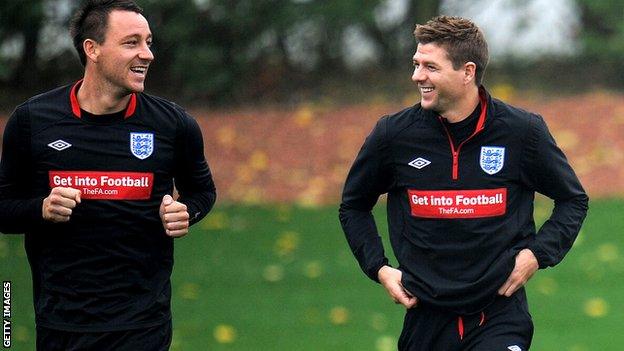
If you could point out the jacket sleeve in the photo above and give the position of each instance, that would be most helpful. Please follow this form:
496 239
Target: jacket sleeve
547 171
19 210
369 177
193 178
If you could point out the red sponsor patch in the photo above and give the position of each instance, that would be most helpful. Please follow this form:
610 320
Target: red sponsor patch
458 203
105 185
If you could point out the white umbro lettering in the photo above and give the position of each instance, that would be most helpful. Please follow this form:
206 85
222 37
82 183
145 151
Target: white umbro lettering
419 163
514 348
59 145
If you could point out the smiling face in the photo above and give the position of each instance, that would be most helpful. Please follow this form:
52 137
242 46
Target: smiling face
441 86
121 61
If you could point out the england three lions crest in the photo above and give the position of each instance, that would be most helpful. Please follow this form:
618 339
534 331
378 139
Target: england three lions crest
492 159
141 145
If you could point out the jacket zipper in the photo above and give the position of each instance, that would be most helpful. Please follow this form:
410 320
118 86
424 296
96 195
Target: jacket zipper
479 128
455 152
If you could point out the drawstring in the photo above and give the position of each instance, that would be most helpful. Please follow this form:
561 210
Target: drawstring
460 325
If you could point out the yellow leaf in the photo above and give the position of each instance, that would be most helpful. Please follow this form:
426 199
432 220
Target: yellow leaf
313 269
503 91
273 273
304 116
339 315
608 252
259 160
189 291
379 322
224 334
385 343
546 286
287 243
596 307
215 221
226 136
566 139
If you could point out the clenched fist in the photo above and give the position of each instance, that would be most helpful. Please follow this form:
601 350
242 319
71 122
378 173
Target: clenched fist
58 206
174 216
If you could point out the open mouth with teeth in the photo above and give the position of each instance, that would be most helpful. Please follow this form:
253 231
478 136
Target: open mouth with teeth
139 69
426 89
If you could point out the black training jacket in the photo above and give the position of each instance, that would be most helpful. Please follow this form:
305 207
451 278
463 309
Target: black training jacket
458 214
109 267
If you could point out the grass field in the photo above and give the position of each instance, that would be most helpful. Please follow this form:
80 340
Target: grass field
282 278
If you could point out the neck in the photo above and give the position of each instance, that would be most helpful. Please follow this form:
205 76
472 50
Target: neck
463 107
99 98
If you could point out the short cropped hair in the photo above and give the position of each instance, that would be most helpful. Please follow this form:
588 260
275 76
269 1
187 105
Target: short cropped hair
461 38
91 20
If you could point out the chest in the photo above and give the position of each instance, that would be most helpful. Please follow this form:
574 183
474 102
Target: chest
121 147
427 159
125 161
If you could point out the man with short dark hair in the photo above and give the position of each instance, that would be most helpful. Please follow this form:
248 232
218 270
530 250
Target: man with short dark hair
87 173
460 169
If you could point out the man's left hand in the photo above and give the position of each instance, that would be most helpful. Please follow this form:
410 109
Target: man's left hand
174 216
526 266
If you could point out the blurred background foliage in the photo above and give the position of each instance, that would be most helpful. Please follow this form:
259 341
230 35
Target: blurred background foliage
215 52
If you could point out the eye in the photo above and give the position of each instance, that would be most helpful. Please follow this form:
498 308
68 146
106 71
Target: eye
149 43
130 42
416 64
432 68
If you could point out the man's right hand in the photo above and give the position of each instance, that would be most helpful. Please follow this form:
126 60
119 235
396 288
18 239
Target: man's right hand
390 278
57 207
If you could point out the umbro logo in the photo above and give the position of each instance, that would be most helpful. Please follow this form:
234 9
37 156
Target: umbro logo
514 348
59 145
419 163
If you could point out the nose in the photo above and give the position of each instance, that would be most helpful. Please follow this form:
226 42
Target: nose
146 53
418 75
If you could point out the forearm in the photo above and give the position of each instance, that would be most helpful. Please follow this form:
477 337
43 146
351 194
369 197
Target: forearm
556 236
198 204
20 210
365 243
548 172
19 215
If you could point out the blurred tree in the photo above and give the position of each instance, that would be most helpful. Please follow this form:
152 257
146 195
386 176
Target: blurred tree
215 49
395 37
226 50
20 22
603 40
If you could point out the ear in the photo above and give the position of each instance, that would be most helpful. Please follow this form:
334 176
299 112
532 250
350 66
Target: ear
91 49
470 72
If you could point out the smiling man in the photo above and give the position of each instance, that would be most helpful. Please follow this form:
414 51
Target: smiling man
461 169
87 173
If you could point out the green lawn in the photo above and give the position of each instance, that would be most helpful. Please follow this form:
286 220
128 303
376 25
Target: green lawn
282 278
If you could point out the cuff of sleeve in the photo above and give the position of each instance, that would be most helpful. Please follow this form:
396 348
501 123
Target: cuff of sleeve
540 255
36 215
192 211
373 273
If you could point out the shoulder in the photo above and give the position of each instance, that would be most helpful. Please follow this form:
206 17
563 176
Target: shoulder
161 105
397 122
166 116
47 108
161 111
528 127
513 115
518 121
55 96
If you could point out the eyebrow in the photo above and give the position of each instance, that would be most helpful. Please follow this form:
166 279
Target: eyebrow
136 35
424 62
